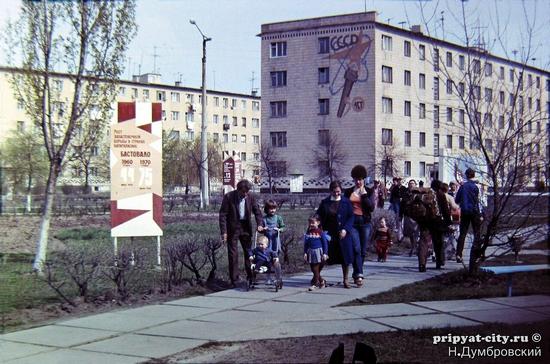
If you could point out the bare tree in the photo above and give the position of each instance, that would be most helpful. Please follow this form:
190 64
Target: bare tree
500 118
175 162
387 160
86 39
329 156
269 165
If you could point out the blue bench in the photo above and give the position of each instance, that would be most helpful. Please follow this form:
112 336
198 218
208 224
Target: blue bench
511 269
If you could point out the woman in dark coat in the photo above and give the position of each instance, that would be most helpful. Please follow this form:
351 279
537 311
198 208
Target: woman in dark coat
336 216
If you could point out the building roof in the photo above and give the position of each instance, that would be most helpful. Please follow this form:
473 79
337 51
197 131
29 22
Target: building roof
370 17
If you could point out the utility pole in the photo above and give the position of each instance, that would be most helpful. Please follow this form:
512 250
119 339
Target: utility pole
205 199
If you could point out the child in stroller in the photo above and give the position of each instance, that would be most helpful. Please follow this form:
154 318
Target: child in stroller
264 260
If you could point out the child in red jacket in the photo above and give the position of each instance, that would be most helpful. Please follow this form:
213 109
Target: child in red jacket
383 240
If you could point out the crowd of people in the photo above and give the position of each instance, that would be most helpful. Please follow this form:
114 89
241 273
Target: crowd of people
342 229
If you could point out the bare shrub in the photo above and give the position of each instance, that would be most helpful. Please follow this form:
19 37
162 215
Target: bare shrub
125 270
212 248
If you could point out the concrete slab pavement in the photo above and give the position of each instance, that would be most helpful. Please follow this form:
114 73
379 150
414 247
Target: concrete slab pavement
135 335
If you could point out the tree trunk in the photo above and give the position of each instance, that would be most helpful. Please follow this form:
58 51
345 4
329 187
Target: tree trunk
42 245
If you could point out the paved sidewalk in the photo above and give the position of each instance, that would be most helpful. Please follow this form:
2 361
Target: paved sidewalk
139 334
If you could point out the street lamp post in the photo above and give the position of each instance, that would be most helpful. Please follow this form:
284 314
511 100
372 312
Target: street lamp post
204 151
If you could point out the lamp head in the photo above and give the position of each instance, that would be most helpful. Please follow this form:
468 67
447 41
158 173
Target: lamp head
192 21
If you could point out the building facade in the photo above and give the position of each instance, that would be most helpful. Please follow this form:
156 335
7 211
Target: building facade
233 118
343 90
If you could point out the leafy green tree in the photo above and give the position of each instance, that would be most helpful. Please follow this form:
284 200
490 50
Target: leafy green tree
25 161
87 40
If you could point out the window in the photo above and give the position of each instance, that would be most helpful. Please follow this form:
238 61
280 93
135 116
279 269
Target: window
278 49
422 81
324 75
278 109
387 74
422 169
407 78
225 121
501 122
461 142
256 157
243 122
278 78
243 156
190 98
407 108
436 88
324 106
422 111
461 62
489 145
324 137
449 87
234 138
436 145
278 139
387 105
216 101
476 92
215 119
243 139
537 105
256 105
436 59
422 139
450 141
58 85
278 168
436 116
501 97
501 73
235 121
324 45
387 137
255 123
175 115
161 96
255 139
512 75
134 93
488 95
529 80
189 116
461 88
189 135
422 52
537 82
407 169
476 64
488 69
449 59
122 91
20 125
175 96
216 137
407 138
225 102
386 42
146 94
225 138
20 104
449 114
233 103
407 48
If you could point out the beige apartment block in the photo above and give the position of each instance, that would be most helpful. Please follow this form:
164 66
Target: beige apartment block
233 119
386 93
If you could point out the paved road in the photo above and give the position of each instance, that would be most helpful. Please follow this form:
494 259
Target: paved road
136 335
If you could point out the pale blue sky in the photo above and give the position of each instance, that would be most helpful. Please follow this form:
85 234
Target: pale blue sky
234 52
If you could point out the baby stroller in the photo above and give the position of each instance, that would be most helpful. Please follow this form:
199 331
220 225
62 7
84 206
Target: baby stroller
267 268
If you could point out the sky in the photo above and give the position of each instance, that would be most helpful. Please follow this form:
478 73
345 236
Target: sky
168 44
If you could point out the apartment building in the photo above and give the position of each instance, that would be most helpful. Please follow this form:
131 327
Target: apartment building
233 118
354 90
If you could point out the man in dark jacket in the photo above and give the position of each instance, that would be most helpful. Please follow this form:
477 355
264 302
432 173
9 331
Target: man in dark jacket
467 198
236 225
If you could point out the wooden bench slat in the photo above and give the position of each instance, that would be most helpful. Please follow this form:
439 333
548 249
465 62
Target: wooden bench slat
516 268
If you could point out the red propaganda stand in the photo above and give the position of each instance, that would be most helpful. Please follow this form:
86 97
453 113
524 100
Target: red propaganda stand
231 171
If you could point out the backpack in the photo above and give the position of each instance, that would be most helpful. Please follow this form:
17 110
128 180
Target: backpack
421 205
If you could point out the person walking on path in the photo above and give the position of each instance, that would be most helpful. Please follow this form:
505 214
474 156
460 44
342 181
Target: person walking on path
315 251
235 218
362 206
336 216
396 192
383 239
410 227
467 198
